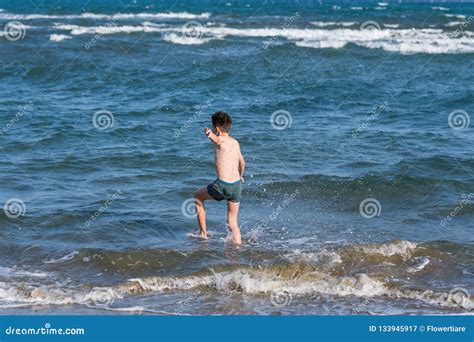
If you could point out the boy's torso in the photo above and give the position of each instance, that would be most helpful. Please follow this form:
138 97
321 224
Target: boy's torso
227 156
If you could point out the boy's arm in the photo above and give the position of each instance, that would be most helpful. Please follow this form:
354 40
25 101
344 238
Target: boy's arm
241 166
214 138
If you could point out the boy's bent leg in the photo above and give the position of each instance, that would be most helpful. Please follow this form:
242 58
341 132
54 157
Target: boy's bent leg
199 197
232 213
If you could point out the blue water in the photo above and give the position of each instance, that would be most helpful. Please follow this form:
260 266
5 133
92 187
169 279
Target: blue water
102 108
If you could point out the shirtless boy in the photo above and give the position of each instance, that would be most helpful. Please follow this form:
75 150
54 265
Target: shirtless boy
230 166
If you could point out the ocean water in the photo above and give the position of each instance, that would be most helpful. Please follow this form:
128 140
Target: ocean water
354 119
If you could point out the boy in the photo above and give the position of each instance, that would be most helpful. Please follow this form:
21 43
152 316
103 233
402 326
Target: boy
230 166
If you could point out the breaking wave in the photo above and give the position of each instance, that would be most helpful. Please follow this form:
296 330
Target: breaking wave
364 271
254 282
99 16
405 41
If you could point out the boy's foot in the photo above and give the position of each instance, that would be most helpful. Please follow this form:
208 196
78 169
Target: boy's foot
198 236
237 240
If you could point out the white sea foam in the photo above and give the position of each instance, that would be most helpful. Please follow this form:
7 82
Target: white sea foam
15 272
418 264
322 258
459 16
106 30
454 23
59 37
246 281
254 282
407 41
66 257
184 40
98 16
43 295
382 4
333 23
440 8
402 248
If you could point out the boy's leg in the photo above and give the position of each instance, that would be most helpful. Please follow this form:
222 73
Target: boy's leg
232 213
199 197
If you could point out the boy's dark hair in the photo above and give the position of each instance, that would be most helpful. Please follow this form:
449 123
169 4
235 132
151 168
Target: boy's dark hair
222 120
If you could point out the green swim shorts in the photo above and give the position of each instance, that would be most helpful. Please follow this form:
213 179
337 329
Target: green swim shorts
220 190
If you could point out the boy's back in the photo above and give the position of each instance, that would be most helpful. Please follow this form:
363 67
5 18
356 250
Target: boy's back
227 157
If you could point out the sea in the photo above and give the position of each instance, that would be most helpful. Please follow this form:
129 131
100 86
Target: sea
354 119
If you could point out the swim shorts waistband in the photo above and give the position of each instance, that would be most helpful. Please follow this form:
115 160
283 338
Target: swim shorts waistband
220 180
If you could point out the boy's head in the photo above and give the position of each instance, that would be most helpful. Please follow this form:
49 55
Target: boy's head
221 121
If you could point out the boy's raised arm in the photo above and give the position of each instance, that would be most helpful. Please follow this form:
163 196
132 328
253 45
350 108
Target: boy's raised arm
214 138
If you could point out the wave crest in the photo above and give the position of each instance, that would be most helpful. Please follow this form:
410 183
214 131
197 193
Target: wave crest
405 41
